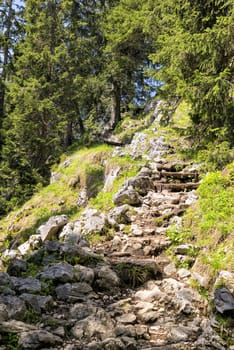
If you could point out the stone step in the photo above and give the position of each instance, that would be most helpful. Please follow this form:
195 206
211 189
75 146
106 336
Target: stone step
172 167
176 187
139 246
178 175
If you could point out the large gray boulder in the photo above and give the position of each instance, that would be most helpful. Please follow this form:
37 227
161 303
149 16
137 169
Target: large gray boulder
106 278
52 227
33 242
73 291
142 184
16 267
79 311
16 307
57 272
127 196
91 222
38 302
223 300
98 325
26 285
119 215
84 274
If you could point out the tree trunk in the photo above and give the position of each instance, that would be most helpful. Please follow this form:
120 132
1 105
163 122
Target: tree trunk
115 108
68 135
5 50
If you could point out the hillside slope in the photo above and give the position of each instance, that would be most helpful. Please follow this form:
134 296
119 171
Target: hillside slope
125 239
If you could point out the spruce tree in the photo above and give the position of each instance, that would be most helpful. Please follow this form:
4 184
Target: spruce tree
10 31
194 44
127 51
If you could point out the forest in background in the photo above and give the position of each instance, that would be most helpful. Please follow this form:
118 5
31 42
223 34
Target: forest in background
71 69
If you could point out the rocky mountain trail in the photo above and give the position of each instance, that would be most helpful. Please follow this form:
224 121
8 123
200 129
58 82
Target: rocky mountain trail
60 292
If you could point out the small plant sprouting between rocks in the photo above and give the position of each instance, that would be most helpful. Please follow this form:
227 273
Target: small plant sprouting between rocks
134 275
10 340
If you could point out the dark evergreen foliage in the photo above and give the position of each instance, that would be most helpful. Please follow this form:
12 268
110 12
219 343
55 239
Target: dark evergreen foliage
68 67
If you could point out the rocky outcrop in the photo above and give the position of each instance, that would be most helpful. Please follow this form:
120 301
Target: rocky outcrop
52 227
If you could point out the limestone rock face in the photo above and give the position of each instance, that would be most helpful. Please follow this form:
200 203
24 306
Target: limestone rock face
91 222
52 226
127 196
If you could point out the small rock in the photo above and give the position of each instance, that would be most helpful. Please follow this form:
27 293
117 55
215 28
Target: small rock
203 281
3 313
149 295
60 331
14 326
91 222
127 318
5 279
51 246
80 311
37 340
33 242
183 249
99 326
226 279
9 254
126 330
183 273
170 269
119 214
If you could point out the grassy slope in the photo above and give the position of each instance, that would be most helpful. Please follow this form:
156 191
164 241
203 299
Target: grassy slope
84 167
60 197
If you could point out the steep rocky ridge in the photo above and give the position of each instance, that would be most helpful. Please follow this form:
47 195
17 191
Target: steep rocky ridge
60 291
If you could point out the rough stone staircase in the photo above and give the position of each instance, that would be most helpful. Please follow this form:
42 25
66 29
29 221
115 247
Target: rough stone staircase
171 195
170 315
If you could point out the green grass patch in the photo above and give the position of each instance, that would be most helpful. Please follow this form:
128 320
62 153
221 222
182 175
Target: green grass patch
83 168
209 224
